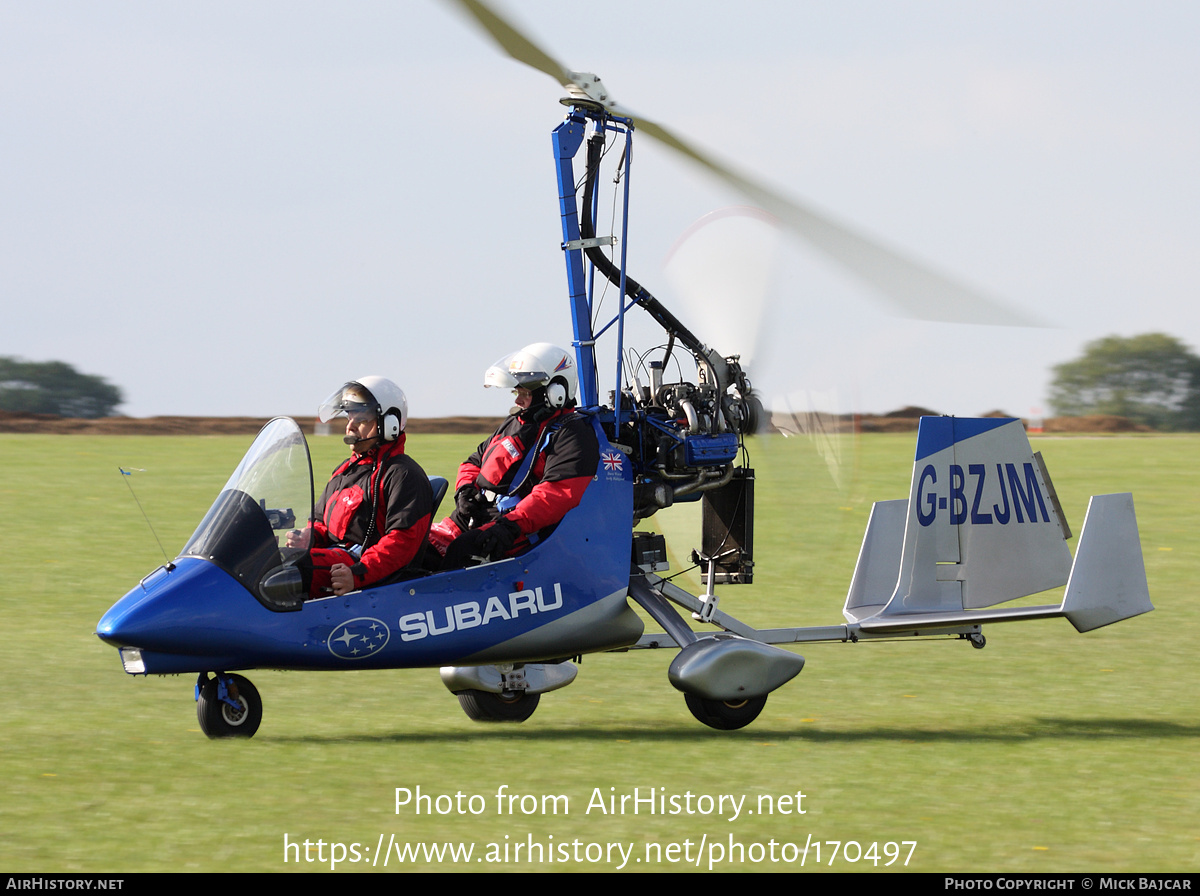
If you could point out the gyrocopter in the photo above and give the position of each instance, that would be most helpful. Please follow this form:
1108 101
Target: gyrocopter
982 525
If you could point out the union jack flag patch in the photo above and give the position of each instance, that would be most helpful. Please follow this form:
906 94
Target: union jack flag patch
612 460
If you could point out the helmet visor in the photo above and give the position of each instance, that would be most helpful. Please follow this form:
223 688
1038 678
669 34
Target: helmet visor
350 400
513 372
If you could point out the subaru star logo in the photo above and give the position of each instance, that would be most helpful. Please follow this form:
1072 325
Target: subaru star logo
358 638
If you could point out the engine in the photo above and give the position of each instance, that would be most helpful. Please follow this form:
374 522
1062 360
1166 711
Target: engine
684 437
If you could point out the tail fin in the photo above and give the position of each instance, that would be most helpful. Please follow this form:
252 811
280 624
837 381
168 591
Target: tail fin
983 526
981 529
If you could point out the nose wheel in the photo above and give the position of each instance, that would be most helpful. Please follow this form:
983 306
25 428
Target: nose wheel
227 706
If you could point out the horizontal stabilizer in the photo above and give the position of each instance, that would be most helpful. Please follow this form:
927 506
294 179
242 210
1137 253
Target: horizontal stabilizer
931 623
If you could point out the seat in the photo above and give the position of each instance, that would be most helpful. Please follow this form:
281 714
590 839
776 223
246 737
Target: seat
439 484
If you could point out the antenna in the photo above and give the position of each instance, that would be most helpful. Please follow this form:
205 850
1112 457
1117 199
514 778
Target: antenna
129 474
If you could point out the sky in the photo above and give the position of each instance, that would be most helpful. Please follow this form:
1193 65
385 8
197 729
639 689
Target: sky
235 207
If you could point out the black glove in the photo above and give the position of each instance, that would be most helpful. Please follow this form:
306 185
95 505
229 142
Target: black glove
499 539
470 507
481 545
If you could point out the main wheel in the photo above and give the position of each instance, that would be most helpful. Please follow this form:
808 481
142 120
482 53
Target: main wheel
219 719
484 706
727 715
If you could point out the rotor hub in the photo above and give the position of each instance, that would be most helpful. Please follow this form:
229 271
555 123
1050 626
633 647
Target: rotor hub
586 89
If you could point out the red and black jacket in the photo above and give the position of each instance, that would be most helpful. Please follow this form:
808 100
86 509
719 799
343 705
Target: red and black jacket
381 500
566 461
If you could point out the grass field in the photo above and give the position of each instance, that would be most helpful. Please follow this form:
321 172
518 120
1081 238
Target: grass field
1047 751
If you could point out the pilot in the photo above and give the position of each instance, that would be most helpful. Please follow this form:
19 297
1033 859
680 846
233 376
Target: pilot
521 482
373 518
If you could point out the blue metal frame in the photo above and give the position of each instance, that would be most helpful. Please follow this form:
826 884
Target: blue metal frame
567 140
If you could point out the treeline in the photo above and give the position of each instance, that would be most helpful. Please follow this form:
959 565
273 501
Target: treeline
1152 379
53 387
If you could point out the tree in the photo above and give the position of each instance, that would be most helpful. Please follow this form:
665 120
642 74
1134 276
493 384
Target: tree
52 387
1152 379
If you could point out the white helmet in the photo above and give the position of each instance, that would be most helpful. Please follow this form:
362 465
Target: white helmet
369 394
540 364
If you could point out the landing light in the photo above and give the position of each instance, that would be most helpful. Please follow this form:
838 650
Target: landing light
131 659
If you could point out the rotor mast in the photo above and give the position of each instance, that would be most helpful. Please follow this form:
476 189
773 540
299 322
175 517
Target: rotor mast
580 241
567 138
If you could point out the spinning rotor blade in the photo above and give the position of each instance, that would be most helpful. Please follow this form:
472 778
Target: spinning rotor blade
912 289
513 42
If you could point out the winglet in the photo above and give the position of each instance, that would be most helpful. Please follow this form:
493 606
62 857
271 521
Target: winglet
1108 580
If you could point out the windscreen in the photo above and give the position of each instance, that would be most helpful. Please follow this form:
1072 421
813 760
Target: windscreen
269 494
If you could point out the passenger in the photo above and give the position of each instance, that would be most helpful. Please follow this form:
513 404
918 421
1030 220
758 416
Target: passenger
373 518
520 483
